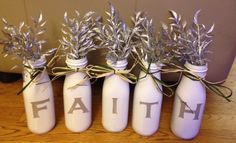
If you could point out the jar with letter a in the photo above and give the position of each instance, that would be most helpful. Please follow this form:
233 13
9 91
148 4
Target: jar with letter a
77 97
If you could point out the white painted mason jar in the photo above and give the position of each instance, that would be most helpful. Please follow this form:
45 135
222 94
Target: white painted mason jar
147 102
189 104
77 98
115 100
38 99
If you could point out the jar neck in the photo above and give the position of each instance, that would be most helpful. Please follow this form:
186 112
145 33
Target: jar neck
153 67
201 71
34 64
75 64
119 65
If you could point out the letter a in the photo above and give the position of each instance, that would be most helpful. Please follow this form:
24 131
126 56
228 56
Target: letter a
81 106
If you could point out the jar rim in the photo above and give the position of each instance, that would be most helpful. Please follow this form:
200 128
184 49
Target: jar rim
37 63
156 65
196 68
118 64
76 63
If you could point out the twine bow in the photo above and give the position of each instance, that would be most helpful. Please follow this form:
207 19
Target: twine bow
94 72
214 87
156 80
61 71
98 71
37 71
33 75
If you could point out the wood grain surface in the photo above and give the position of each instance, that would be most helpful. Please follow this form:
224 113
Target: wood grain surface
218 125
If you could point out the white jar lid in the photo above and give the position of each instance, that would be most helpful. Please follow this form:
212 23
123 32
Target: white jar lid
153 66
196 68
121 64
80 63
39 63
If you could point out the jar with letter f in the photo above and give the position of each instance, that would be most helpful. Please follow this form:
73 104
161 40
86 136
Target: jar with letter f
38 97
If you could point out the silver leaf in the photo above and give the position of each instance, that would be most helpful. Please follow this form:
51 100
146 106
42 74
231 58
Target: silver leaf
14 67
4 21
64 32
184 23
211 29
41 32
78 35
77 13
138 14
89 14
51 52
108 13
113 12
40 18
24 42
43 24
196 15
174 14
164 26
65 17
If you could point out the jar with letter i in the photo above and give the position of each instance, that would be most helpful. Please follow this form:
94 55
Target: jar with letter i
115 99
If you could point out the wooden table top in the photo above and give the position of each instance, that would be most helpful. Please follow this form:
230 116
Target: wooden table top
218 125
